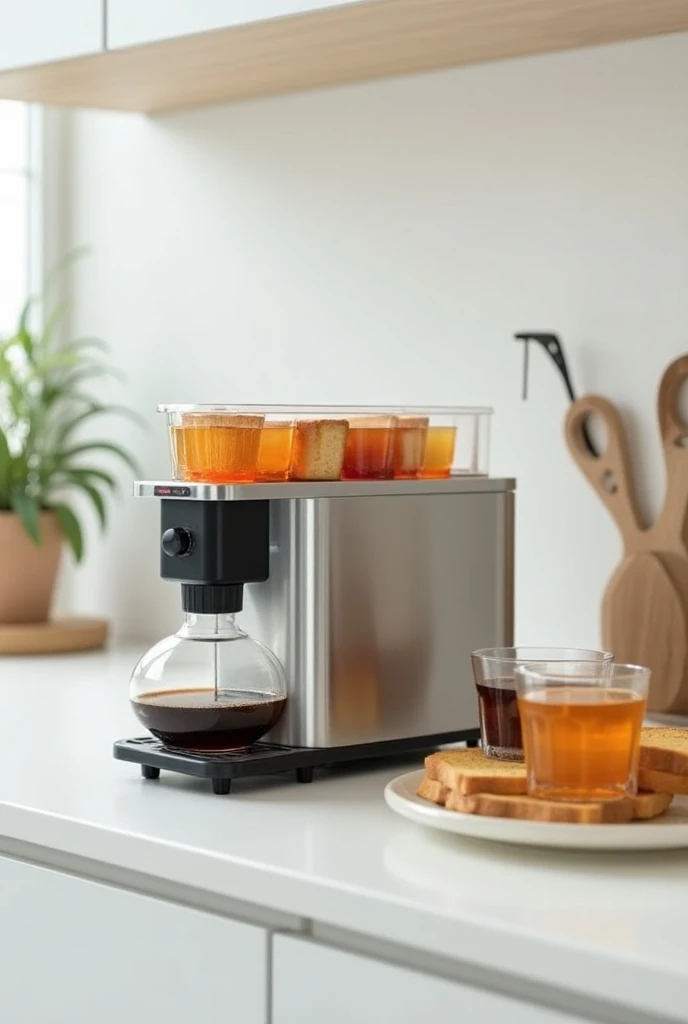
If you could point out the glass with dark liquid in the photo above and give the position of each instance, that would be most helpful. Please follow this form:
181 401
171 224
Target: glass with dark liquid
494 670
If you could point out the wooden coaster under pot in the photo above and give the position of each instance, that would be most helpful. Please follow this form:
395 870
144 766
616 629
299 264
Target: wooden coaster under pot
59 636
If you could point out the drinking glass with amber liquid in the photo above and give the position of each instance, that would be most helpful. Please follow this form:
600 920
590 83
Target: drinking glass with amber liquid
494 674
581 728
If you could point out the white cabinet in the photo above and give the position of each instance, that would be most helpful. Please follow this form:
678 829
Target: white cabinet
76 951
314 984
41 31
145 21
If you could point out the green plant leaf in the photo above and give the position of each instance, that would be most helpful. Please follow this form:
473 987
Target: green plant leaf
71 528
97 500
89 372
94 409
26 341
71 257
22 327
59 361
45 400
53 393
79 344
28 509
88 473
19 473
5 469
102 446
52 321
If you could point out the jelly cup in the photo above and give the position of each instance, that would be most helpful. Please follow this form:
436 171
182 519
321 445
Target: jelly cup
369 447
215 447
274 455
408 446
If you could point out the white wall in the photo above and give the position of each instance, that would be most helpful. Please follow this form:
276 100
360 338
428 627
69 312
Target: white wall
380 243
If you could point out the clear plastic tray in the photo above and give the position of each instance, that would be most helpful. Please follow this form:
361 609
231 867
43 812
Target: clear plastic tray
267 444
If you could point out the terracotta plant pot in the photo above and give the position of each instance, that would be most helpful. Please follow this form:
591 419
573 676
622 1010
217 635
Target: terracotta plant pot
28 572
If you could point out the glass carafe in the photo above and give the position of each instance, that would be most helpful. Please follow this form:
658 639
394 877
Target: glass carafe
208 688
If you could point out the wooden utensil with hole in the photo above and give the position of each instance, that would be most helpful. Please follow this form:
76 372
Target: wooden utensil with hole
645 605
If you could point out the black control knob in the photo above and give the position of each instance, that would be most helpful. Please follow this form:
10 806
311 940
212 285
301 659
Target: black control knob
177 542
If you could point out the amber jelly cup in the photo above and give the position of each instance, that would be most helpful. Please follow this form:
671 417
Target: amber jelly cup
494 671
581 727
408 446
274 454
216 447
438 456
369 448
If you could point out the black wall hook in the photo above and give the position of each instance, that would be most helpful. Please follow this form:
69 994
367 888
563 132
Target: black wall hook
555 350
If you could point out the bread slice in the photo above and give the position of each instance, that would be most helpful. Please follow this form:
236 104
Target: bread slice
433 791
650 805
499 805
643 806
664 750
662 782
469 771
318 451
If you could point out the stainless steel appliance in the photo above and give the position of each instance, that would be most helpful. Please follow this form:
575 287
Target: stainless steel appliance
372 594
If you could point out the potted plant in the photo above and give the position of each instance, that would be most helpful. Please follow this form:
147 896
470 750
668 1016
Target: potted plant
45 460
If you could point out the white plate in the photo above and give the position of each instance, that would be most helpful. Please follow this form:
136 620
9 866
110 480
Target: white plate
665 833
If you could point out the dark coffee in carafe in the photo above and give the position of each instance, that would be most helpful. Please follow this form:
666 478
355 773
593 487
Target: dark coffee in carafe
200 720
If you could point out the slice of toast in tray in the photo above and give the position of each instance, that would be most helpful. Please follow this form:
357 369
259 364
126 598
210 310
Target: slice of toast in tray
469 771
664 750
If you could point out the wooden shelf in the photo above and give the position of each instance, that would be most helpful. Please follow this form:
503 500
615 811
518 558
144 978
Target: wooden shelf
372 39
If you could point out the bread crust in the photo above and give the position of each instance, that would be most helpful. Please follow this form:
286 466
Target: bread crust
530 808
662 782
664 749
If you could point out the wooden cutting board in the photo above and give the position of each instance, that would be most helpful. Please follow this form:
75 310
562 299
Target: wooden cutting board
645 605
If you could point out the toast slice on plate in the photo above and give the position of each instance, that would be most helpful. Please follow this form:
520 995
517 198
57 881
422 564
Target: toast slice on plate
531 808
433 791
664 750
648 805
469 771
662 782
644 806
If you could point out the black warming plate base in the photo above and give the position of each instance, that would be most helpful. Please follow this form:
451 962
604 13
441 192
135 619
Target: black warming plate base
269 758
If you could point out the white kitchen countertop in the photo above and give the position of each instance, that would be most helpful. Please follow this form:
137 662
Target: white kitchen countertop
611 927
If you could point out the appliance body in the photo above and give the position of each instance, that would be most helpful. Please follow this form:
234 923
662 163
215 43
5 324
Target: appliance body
376 594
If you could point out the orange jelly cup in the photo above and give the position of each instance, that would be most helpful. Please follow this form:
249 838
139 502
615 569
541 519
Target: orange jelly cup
439 452
216 447
274 455
408 451
369 444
